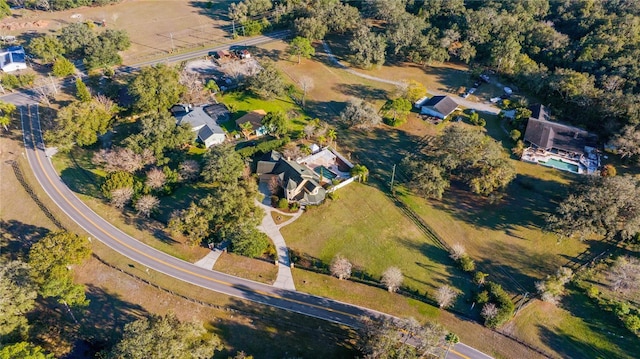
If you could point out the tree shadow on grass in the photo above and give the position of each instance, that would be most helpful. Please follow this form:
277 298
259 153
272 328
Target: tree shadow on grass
102 322
148 225
273 55
296 335
532 197
81 181
17 237
361 91
328 111
600 323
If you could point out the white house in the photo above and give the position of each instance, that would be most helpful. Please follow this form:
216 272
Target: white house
439 106
12 59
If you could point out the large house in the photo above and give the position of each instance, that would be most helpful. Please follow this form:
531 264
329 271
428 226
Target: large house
208 131
254 118
12 59
558 145
439 106
300 183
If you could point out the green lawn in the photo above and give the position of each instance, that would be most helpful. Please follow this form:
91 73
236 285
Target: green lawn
243 102
366 227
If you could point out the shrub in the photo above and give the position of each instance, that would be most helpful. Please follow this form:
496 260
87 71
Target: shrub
26 80
632 322
249 242
10 81
503 302
283 203
63 67
467 264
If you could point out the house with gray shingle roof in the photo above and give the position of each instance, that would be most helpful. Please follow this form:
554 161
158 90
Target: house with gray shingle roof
300 183
208 131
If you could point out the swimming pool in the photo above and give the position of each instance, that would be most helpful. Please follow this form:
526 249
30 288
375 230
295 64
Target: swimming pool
325 172
561 165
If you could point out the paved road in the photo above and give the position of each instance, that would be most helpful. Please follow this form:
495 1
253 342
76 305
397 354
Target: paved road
143 255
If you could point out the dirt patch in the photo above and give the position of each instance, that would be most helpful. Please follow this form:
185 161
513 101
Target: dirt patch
227 74
13 26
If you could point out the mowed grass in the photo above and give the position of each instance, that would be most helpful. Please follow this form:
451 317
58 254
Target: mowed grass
575 329
365 226
248 268
244 102
82 177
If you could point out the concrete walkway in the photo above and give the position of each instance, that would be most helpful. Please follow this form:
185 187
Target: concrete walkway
272 230
482 107
210 259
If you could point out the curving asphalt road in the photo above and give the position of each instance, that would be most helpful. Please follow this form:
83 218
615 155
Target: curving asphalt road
100 229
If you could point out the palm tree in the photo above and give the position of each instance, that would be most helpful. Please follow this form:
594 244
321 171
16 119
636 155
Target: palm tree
331 135
361 172
246 129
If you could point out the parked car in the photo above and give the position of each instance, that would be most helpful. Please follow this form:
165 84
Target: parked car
485 78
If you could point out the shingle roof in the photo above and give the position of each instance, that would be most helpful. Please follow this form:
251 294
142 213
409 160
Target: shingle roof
443 104
539 112
548 135
254 117
199 120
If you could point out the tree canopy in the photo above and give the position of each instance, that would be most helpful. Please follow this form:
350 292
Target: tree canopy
463 152
267 83
159 134
360 114
6 113
401 338
605 206
17 295
165 337
81 122
276 123
301 47
49 260
156 88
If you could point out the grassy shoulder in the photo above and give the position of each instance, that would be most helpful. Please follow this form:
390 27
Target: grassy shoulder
248 268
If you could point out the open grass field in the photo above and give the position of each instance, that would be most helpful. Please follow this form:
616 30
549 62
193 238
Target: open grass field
156 28
332 86
367 228
505 239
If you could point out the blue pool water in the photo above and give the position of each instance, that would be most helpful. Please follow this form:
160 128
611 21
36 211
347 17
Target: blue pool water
325 172
552 162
